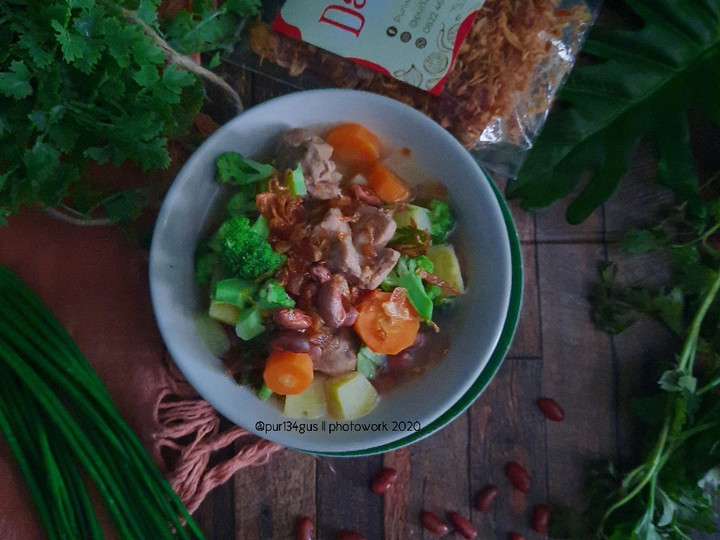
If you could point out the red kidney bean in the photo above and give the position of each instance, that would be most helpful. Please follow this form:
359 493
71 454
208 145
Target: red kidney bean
462 526
551 409
351 315
292 319
330 305
485 497
433 523
518 476
290 340
540 518
320 273
304 528
515 536
349 535
382 480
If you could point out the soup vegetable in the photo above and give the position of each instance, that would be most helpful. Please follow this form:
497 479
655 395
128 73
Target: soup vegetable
327 271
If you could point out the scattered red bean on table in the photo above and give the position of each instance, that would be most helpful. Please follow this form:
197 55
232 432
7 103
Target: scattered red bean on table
551 409
382 480
462 526
518 475
304 528
433 523
485 497
540 518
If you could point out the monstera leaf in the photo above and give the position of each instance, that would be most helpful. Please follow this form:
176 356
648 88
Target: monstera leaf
639 83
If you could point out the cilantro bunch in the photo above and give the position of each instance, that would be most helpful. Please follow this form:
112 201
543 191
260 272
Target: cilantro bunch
675 488
93 80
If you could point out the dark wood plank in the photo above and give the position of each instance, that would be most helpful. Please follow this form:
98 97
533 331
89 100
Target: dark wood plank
344 499
527 342
506 426
552 227
269 498
578 370
216 514
397 515
439 481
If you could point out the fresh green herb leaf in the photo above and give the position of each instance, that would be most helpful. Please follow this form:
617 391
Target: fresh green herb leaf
675 380
673 490
15 83
95 80
206 28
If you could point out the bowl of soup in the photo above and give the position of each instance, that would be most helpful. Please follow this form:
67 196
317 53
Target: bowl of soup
333 271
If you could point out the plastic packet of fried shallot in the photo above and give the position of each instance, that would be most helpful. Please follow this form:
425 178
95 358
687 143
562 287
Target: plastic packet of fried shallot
505 70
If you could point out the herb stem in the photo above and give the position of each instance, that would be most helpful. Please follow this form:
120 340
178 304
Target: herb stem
175 57
709 386
687 357
655 464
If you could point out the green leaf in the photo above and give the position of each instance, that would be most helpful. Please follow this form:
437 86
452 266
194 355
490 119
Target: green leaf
640 84
147 10
677 381
16 82
636 241
119 39
147 75
126 205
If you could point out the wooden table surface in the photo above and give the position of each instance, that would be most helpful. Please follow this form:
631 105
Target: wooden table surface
556 353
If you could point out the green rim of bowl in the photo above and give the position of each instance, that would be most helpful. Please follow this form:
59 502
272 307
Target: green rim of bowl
493 364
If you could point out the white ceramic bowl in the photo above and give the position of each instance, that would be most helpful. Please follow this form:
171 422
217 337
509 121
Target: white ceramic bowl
481 324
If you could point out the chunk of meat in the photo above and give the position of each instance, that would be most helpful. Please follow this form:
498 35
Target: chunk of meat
303 147
342 256
372 229
376 270
358 251
339 353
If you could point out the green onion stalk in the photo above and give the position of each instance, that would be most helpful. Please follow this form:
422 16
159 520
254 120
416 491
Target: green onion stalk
65 433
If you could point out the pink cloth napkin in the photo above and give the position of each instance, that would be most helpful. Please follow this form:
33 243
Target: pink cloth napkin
95 281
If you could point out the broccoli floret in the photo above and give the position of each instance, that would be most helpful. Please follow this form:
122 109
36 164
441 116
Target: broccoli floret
205 261
235 169
252 300
242 203
404 274
273 295
441 221
244 253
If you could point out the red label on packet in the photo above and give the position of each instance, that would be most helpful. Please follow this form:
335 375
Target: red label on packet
414 41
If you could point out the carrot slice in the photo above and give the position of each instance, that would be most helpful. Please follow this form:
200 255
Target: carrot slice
288 372
354 145
386 184
387 322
